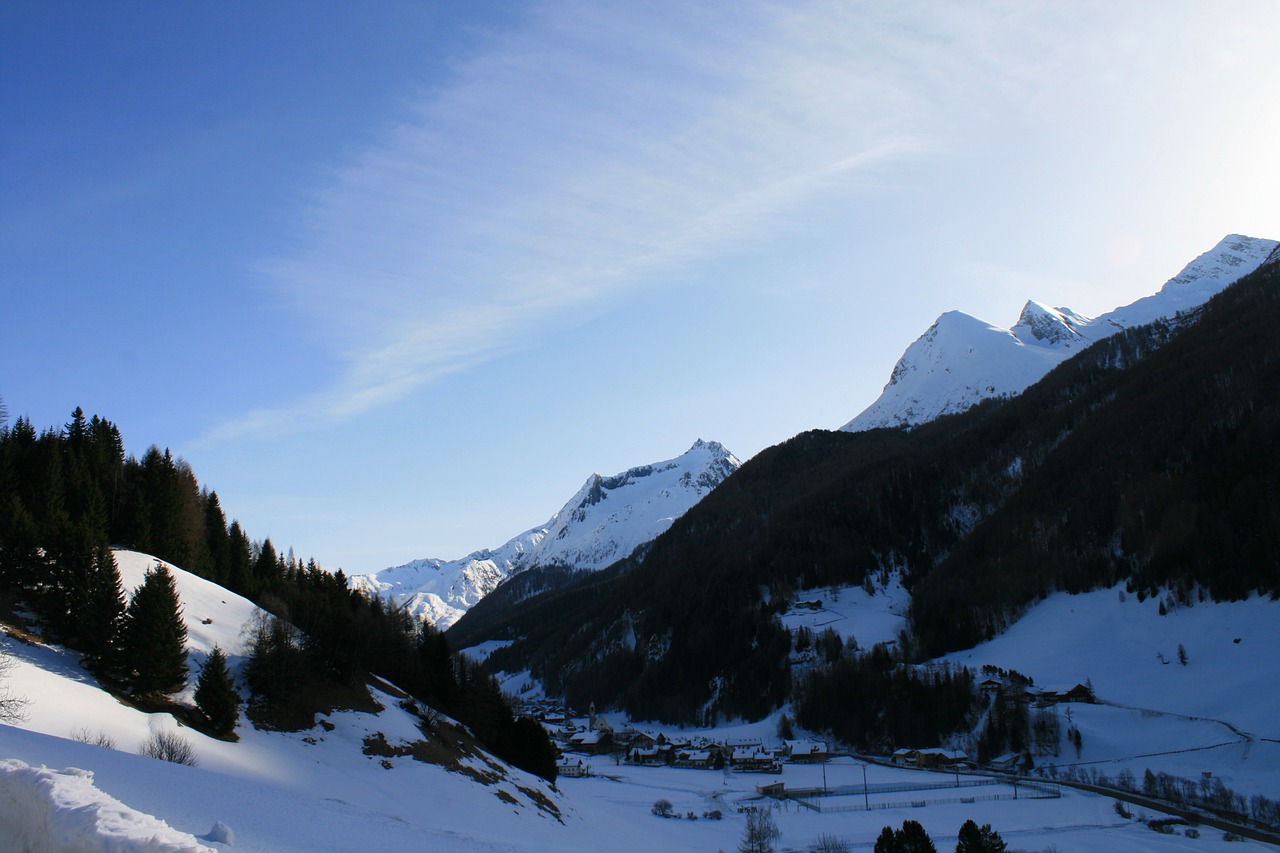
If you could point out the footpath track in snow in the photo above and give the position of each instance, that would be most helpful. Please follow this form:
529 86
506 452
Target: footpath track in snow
1235 730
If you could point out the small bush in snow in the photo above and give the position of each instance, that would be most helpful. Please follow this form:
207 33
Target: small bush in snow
98 738
662 807
829 844
169 746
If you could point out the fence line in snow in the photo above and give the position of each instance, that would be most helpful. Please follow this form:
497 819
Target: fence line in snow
1022 790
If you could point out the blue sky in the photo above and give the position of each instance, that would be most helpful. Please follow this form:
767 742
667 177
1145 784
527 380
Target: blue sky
395 278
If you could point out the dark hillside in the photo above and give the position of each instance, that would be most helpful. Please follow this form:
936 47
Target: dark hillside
1151 456
1165 475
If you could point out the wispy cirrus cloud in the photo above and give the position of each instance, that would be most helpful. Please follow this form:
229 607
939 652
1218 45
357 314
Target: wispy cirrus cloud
576 158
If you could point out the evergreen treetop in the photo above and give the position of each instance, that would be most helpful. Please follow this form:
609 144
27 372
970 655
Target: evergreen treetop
216 695
975 839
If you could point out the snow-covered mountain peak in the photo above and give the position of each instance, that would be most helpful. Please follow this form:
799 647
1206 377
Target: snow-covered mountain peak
944 371
701 468
606 520
712 447
1209 274
1224 261
962 360
1040 323
712 463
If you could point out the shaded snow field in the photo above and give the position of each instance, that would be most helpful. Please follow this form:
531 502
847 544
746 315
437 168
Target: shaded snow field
1215 714
852 613
1118 642
315 792
1076 823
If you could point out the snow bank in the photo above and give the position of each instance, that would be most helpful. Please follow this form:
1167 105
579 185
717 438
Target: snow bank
60 811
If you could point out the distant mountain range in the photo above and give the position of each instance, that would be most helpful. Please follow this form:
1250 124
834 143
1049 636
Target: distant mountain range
607 520
962 360
957 363
1148 458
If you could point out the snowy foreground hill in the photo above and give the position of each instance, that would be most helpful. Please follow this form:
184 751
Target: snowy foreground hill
307 791
962 360
317 792
608 519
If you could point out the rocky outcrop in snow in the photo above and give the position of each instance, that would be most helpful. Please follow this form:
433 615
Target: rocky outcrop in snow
961 360
605 521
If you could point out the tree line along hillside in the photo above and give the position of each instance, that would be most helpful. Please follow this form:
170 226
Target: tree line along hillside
68 494
1151 457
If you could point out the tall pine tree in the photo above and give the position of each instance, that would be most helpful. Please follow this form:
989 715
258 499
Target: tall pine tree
102 620
216 695
155 636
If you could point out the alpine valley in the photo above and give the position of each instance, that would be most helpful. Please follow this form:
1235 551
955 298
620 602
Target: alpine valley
1035 586
1146 458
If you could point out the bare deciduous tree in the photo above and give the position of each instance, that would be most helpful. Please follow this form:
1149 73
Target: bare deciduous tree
760 832
13 708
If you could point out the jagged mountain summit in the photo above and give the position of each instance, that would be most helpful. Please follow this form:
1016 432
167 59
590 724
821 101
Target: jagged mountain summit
962 360
608 519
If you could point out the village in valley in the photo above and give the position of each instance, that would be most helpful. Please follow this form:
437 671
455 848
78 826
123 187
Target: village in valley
581 739
590 743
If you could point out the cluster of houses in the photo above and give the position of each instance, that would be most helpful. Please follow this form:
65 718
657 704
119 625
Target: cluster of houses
595 736
1022 689
648 750
931 759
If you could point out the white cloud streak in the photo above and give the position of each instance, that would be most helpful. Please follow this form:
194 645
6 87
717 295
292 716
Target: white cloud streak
565 164
605 144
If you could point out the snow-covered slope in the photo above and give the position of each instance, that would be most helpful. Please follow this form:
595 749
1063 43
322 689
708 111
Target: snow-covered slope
314 791
1214 713
961 360
605 521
